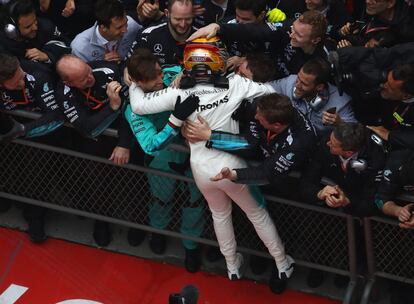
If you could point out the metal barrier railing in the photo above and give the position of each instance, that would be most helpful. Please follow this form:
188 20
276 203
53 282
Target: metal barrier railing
91 186
82 184
390 253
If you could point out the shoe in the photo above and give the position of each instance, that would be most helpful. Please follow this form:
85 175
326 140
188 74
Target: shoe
101 233
236 272
135 237
258 264
315 278
286 271
157 243
192 260
213 254
36 230
278 278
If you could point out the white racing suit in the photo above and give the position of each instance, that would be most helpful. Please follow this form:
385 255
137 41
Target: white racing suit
216 106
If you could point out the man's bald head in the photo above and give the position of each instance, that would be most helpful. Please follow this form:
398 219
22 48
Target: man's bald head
75 72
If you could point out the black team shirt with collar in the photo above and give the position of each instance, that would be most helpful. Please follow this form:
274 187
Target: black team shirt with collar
89 110
161 43
38 94
289 60
359 186
48 40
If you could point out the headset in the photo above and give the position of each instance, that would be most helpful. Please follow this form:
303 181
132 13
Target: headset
11 29
318 102
359 164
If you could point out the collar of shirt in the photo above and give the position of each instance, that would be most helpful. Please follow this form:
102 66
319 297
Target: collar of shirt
108 45
99 38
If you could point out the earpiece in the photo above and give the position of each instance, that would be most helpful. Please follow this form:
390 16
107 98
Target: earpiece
294 93
318 102
377 140
11 29
358 165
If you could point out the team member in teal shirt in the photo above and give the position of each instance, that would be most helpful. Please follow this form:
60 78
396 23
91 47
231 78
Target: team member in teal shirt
154 133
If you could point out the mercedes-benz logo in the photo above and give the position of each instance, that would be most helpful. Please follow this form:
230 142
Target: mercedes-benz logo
157 48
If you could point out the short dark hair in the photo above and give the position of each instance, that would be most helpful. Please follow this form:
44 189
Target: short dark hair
105 10
17 8
255 6
141 65
262 67
171 3
352 135
8 66
276 108
405 72
318 22
319 68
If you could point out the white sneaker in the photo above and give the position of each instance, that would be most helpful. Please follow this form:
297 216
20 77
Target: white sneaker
286 270
236 272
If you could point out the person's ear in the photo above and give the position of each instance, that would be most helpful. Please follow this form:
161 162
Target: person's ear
276 126
139 83
262 16
391 3
102 28
320 87
167 13
316 40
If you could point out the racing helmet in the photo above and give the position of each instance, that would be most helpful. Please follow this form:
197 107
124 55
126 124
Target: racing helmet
204 57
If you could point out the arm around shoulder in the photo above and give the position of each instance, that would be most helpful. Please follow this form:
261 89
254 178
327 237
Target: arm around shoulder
154 102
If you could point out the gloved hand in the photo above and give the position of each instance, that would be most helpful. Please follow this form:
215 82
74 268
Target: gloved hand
275 15
183 109
16 131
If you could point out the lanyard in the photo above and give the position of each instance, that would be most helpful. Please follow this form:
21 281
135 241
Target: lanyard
269 136
399 118
98 103
26 99
370 29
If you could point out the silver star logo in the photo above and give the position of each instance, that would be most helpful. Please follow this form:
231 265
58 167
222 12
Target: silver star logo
157 48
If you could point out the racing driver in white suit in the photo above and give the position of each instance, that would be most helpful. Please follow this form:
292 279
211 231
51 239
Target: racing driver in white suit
217 103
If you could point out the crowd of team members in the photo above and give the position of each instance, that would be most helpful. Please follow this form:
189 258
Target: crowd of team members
343 73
